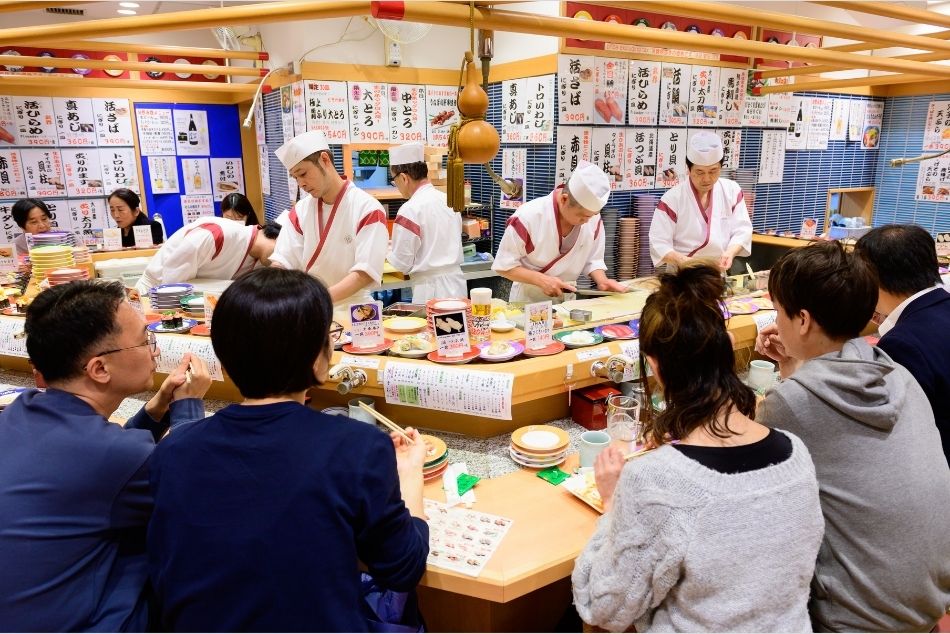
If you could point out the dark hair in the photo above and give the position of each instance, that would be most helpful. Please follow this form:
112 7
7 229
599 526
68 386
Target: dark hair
127 196
416 171
291 312
835 287
238 202
689 163
271 229
904 258
315 157
22 208
682 327
67 322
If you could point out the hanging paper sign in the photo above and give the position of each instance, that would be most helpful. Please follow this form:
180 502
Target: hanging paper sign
44 173
163 174
287 113
35 122
327 110
607 152
260 131
783 110
732 95
539 321
755 111
873 120
937 127
539 113
798 128
731 140
7 122
704 96
643 103
59 215
772 159
670 157
369 113
113 122
300 107
75 121
514 162
640 158
573 146
156 131
118 169
610 90
194 207
856 119
575 88
819 127
839 120
367 324
88 215
675 82
441 113
227 177
264 165
12 183
143 236
191 133
407 115
514 102
933 180
10 228
82 171
197 175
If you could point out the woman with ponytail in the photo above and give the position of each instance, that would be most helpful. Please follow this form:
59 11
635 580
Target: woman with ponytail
719 527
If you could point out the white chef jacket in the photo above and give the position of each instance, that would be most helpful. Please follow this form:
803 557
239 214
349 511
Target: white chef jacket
532 240
331 243
427 245
681 224
212 247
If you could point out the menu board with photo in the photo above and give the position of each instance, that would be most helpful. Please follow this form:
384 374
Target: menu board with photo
514 167
819 128
639 158
87 215
937 128
441 113
704 97
287 113
197 175
610 90
643 93
407 113
798 128
839 120
933 180
75 121
328 110
227 177
35 121
156 131
299 107
732 83
575 88
113 122
856 119
369 112
12 181
772 159
607 153
191 133
675 82
731 141
573 146
755 110
43 170
82 171
670 157
196 206
7 123
163 174
118 169
873 120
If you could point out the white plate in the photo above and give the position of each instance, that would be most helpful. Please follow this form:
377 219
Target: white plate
502 326
450 305
540 440
405 324
172 289
182 60
535 465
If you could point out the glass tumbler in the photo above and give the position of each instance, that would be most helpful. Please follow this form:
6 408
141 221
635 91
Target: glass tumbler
623 418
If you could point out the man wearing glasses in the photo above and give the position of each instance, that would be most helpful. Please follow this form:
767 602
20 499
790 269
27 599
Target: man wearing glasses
74 487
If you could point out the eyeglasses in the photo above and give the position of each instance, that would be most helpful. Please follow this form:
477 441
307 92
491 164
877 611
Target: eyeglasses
151 342
336 331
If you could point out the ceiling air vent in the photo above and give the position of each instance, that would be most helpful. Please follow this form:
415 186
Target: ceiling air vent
65 11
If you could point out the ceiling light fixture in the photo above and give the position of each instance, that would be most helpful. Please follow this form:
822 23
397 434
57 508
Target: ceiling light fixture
126 11
129 5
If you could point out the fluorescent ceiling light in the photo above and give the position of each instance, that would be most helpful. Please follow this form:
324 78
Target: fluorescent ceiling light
129 5
126 11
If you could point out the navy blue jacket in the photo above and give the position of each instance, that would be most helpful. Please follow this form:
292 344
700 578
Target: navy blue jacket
262 515
74 504
920 341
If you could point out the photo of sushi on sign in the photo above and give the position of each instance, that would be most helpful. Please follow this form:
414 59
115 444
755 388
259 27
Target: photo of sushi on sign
227 177
451 334
367 324
539 323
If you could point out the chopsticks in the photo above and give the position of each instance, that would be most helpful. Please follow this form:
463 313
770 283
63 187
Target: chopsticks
387 423
637 454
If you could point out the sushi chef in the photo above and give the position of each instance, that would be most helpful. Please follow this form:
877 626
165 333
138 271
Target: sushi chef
704 217
213 248
337 232
427 235
550 241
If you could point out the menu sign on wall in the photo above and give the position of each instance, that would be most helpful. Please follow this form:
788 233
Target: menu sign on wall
643 103
640 158
163 174
197 175
12 183
287 114
607 153
191 133
772 159
87 215
35 123
819 127
113 122
328 110
573 146
7 124
44 173
610 90
118 169
156 131
369 113
731 140
528 110
933 180
59 215
937 128
674 94
299 107
782 110
194 207
704 96
670 157
227 177
514 167
873 120
75 121
798 128
82 171
575 88
407 113
441 113
856 119
732 83
839 120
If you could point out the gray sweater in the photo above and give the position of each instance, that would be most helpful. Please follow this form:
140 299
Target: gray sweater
884 564
688 549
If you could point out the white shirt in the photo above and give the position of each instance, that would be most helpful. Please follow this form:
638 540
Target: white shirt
212 247
533 240
895 314
682 225
331 243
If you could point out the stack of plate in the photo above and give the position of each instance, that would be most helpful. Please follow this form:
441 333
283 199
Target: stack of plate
628 248
168 296
437 457
81 255
747 177
64 276
193 306
610 217
643 207
539 446
53 239
436 307
46 259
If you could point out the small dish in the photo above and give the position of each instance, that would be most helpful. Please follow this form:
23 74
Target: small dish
186 325
47 69
575 338
465 358
404 324
741 308
412 352
201 330
11 68
344 339
616 331
535 465
450 304
545 439
383 347
512 350
555 347
500 325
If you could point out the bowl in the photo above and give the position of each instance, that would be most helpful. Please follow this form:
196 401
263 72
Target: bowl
500 325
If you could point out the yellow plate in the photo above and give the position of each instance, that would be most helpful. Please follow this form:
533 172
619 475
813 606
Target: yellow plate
540 439
404 324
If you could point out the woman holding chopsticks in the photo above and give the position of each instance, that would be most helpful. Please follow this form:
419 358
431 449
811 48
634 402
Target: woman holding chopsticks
264 511
720 531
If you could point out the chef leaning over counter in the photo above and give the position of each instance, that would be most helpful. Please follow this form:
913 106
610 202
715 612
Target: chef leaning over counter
549 242
703 217
337 232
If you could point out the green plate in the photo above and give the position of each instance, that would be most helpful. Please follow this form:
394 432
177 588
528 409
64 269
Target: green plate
567 339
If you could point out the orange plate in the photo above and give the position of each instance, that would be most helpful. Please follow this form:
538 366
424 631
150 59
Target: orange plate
385 345
552 348
536 455
202 330
435 447
519 440
465 358
435 474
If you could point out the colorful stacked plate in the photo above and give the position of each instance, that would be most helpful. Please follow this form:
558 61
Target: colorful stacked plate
437 457
53 239
49 258
168 296
81 255
64 276
436 307
539 446
193 306
739 307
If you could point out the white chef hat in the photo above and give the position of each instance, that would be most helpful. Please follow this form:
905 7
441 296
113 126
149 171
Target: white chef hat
406 154
300 147
589 186
704 148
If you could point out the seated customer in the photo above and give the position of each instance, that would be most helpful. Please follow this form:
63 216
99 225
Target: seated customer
265 510
720 531
884 565
237 207
33 216
916 330
125 211
74 498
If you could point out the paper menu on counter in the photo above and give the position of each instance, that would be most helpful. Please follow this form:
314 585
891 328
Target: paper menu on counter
366 324
174 347
112 239
539 321
8 258
143 236
436 387
11 344
462 540
451 334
